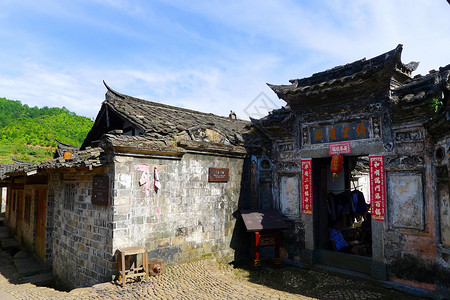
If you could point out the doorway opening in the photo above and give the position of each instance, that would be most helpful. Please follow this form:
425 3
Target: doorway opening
342 220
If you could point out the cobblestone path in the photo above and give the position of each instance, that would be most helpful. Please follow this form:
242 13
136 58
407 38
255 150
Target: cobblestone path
207 279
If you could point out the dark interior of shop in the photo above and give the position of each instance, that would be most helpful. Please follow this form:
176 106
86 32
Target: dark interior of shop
342 220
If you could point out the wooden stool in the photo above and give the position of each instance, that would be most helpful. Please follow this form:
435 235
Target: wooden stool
134 271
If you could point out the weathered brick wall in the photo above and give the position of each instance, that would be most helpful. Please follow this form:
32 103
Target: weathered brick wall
82 239
188 218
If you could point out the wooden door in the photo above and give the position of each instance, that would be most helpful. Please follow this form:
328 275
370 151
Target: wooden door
19 215
41 208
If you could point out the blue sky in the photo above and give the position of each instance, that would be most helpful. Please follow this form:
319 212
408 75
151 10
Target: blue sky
210 56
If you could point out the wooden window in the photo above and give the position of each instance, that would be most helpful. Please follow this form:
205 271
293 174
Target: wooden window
69 195
100 190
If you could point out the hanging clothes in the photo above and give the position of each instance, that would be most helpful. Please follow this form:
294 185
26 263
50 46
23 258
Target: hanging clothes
157 184
359 202
344 205
332 212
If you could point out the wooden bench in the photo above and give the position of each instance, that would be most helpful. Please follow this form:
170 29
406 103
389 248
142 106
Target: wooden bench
134 270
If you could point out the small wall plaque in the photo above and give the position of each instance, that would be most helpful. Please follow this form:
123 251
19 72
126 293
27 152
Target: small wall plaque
219 175
100 190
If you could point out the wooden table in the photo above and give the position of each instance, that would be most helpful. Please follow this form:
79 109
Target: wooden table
266 225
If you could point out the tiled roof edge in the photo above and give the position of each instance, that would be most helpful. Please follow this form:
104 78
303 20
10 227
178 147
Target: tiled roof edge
146 102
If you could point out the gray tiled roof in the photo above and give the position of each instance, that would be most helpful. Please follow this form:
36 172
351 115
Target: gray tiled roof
412 100
5 168
346 76
160 122
90 157
153 117
63 147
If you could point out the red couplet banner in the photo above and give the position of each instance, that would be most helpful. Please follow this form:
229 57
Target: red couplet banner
377 187
306 172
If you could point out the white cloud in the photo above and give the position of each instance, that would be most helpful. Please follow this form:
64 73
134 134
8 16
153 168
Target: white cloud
205 89
342 30
219 57
38 86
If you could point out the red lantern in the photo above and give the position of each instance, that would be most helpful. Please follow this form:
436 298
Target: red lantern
336 164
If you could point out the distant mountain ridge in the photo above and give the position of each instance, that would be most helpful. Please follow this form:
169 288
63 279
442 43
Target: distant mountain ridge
30 133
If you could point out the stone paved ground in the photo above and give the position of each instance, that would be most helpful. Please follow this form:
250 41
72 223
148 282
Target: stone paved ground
207 279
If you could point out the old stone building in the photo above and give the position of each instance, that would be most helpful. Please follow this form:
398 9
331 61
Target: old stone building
147 174
173 179
386 124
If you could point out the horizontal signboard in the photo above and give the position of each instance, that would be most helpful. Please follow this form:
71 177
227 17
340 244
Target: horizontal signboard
340 132
339 148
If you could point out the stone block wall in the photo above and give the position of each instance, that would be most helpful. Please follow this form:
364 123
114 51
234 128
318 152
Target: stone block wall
82 231
188 218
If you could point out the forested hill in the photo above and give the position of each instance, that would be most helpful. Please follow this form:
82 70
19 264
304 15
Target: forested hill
30 133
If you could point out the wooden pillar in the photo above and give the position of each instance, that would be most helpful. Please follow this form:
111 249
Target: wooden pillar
256 261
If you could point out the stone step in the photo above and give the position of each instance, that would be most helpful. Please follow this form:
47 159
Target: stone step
360 264
8 243
4 235
39 279
4 232
29 266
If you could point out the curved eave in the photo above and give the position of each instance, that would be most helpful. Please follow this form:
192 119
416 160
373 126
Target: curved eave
307 95
340 78
114 92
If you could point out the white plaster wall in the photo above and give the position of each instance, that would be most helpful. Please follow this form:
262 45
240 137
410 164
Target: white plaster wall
406 200
289 195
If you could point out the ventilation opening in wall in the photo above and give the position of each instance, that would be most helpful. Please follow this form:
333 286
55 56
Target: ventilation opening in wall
439 154
265 164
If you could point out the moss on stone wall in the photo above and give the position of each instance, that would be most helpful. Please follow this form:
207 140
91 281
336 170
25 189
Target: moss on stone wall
411 267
